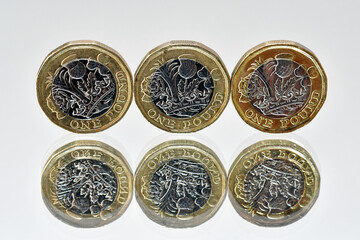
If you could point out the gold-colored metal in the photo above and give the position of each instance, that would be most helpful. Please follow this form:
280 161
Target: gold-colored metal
278 86
180 183
87 184
273 183
86 93
181 86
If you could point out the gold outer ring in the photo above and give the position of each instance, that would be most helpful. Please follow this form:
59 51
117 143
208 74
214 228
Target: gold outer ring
84 49
258 153
262 53
172 50
94 150
187 150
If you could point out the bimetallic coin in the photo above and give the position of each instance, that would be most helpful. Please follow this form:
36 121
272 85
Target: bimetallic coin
87 184
84 86
180 184
181 86
278 86
273 183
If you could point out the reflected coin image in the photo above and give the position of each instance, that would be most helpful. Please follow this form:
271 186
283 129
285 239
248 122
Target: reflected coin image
180 183
84 86
87 184
278 86
181 86
273 183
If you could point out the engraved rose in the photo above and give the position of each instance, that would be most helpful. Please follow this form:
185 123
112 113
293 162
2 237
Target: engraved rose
273 186
86 186
83 89
181 87
180 187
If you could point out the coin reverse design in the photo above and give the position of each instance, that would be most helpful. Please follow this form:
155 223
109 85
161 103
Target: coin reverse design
278 86
180 184
84 86
86 184
273 183
181 86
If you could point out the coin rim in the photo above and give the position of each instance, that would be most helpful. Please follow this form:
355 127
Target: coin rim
198 217
279 44
290 215
201 52
80 45
85 220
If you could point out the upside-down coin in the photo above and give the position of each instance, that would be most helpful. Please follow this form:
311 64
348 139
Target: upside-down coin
84 86
181 86
87 184
278 86
180 184
273 183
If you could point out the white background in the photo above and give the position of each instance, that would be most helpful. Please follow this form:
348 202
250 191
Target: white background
29 30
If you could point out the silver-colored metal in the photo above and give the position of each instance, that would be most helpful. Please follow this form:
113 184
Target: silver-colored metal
86 186
86 183
84 89
279 88
181 87
180 187
273 186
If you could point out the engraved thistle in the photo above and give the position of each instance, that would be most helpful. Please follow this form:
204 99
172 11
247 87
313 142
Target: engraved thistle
272 187
84 89
86 186
180 187
181 87
277 87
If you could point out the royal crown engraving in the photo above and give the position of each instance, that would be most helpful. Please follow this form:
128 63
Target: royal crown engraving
86 186
180 88
84 89
277 87
180 187
271 187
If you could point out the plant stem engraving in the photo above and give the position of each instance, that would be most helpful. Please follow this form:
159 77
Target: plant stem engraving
180 187
273 186
84 89
279 88
86 186
181 88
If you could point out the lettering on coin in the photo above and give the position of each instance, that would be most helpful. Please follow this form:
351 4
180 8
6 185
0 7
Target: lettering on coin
84 89
273 186
182 87
180 187
279 88
86 186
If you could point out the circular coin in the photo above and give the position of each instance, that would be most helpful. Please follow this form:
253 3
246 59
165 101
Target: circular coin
273 183
181 86
86 184
180 183
278 86
84 86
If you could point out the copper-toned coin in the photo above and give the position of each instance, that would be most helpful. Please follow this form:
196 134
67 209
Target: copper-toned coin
181 86
278 86
273 183
87 184
180 184
84 86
